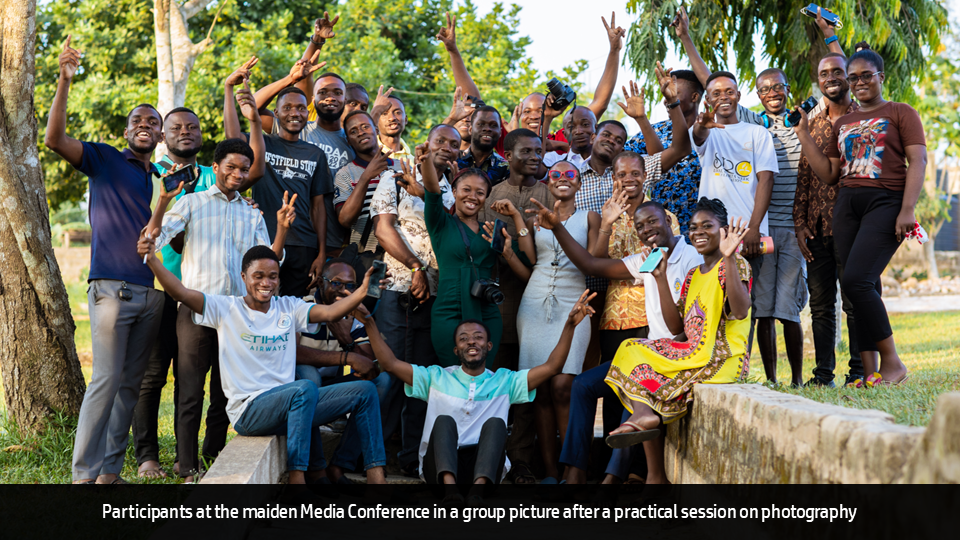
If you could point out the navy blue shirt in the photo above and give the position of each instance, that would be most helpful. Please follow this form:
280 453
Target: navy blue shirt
120 191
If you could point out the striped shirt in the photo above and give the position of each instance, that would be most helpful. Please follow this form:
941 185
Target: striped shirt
346 181
218 233
787 146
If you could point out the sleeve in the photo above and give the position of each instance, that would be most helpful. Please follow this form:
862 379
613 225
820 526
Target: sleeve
343 187
747 116
651 165
359 333
301 314
174 221
764 153
519 387
744 268
801 199
910 127
93 157
322 183
434 214
384 198
700 149
214 309
633 264
833 145
636 144
551 159
422 379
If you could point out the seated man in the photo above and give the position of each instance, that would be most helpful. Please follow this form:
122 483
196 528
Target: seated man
653 227
255 333
465 434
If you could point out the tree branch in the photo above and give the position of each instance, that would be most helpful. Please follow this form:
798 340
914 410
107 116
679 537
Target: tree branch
193 7
216 17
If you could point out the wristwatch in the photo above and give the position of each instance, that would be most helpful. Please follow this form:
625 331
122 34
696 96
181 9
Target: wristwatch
523 232
831 39
673 105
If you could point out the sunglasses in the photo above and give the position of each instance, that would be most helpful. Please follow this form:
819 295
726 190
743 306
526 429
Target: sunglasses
556 175
854 79
351 286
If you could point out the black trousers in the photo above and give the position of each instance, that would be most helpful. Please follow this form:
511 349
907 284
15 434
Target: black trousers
295 270
467 463
864 222
163 353
610 341
823 273
198 354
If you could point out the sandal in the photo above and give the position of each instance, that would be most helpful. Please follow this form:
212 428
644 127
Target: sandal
637 436
874 379
897 382
153 473
521 474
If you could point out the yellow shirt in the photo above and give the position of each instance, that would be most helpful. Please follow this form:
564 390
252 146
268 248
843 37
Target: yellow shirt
404 152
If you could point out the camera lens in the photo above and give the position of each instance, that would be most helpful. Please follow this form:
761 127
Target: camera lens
493 295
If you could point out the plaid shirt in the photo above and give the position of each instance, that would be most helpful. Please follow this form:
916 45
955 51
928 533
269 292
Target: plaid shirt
495 166
813 204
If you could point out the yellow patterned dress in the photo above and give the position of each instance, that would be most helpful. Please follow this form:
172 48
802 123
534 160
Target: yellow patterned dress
661 373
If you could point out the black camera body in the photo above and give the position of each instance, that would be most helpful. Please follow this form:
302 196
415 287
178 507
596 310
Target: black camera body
794 117
563 95
487 290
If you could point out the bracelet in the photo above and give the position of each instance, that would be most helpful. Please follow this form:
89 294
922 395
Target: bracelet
320 44
418 269
608 233
523 232
673 105
831 39
343 359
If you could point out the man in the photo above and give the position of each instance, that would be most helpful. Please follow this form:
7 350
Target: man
465 433
484 135
125 309
183 138
653 227
778 291
678 188
356 99
254 335
813 218
580 129
390 118
297 168
404 312
324 355
356 182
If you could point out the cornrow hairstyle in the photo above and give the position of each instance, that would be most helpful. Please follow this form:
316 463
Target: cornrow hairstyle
715 207
257 253
864 52
472 171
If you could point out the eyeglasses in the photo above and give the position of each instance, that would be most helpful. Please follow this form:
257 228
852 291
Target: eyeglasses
351 286
556 175
854 79
779 87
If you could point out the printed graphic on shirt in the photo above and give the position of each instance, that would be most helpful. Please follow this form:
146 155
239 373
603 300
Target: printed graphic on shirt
737 172
272 343
336 157
863 144
290 167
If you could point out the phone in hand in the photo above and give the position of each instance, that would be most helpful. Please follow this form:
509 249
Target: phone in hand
379 273
794 117
652 261
498 241
172 181
829 16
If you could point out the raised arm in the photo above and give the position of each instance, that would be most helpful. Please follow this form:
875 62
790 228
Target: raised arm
171 285
322 31
635 107
680 146
448 36
56 137
738 296
554 364
231 122
388 361
701 129
249 109
615 206
301 70
285 216
608 81
431 182
349 211
681 24
829 33
826 168
343 307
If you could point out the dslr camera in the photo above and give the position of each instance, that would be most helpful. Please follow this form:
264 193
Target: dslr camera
487 290
563 95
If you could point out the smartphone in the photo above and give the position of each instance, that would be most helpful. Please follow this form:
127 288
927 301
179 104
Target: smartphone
652 261
794 117
498 240
172 181
829 16
379 273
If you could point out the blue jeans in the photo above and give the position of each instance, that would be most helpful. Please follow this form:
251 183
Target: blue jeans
351 443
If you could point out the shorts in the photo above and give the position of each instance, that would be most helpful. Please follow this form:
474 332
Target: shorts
781 286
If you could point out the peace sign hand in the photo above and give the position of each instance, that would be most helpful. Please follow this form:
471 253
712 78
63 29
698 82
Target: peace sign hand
408 179
668 84
248 105
242 73
681 23
287 213
581 310
545 217
323 27
448 34
636 100
614 33
69 60
304 68
461 107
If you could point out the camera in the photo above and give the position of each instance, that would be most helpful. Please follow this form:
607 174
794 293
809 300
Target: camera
794 117
487 290
563 95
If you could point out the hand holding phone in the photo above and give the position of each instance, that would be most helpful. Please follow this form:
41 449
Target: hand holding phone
186 174
652 261
830 17
497 242
379 273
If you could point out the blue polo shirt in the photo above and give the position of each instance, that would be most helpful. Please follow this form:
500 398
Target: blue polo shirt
120 191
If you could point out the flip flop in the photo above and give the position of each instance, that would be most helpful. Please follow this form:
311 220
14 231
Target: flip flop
637 436
521 474
153 473
898 382
874 379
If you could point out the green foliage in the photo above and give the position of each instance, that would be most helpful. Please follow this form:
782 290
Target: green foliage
378 42
904 32
938 104
931 211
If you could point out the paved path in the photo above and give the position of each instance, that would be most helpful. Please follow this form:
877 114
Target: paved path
914 304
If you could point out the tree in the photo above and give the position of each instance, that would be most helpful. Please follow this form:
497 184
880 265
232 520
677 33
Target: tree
902 31
41 372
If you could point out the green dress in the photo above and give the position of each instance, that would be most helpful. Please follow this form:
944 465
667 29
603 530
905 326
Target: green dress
454 303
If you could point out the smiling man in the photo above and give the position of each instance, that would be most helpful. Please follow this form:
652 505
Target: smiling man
484 135
390 125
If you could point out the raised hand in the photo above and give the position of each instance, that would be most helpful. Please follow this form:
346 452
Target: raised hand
581 310
69 60
287 213
303 68
614 33
514 122
548 111
323 27
462 108
504 207
823 24
448 34
668 85
382 103
242 74
377 165
546 218
248 105
681 23
616 205
707 119
507 239
408 180
636 99
803 125
731 237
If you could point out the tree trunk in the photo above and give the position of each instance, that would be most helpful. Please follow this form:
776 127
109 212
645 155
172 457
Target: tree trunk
928 250
176 53
38 358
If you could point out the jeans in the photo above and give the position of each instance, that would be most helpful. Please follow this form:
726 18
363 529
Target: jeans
467 463
863 229
123 333
350 448
163 353
823 272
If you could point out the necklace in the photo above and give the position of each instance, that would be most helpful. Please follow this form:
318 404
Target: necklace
556 246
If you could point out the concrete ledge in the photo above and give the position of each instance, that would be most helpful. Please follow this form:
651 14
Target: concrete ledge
750 434
249 460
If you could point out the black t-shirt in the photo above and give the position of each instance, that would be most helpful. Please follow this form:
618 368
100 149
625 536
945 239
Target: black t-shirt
295 167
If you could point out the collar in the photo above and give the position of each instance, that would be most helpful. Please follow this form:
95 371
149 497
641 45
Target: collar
466 379
214 191
128 154
404 149
588 168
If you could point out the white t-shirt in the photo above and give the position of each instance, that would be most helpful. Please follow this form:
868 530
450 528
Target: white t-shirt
552 158
681 260
731 158
258 351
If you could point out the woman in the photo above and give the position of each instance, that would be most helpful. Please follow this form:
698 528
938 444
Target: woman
463 257
553 288
879 156
654 378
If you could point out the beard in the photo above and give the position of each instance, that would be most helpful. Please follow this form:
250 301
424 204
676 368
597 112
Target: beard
839 97
475 364
329 117
475 141
184 152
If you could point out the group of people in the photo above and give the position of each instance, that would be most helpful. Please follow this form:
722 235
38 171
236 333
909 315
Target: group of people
499 239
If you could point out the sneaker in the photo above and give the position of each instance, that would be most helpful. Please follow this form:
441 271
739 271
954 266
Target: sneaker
819 382
852 379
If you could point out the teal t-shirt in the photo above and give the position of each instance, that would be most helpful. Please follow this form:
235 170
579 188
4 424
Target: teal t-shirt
172 259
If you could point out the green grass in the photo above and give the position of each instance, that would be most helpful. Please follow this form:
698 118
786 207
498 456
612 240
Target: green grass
929 345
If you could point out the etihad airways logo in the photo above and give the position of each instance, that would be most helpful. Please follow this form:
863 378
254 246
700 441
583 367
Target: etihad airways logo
265 343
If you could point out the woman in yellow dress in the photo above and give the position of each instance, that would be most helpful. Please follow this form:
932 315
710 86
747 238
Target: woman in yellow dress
654 378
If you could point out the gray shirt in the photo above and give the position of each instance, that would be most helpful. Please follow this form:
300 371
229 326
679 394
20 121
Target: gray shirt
333 143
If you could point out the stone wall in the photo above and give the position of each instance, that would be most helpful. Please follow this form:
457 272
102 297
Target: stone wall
751 434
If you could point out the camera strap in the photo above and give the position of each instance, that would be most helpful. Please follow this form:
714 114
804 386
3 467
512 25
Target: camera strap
466 243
